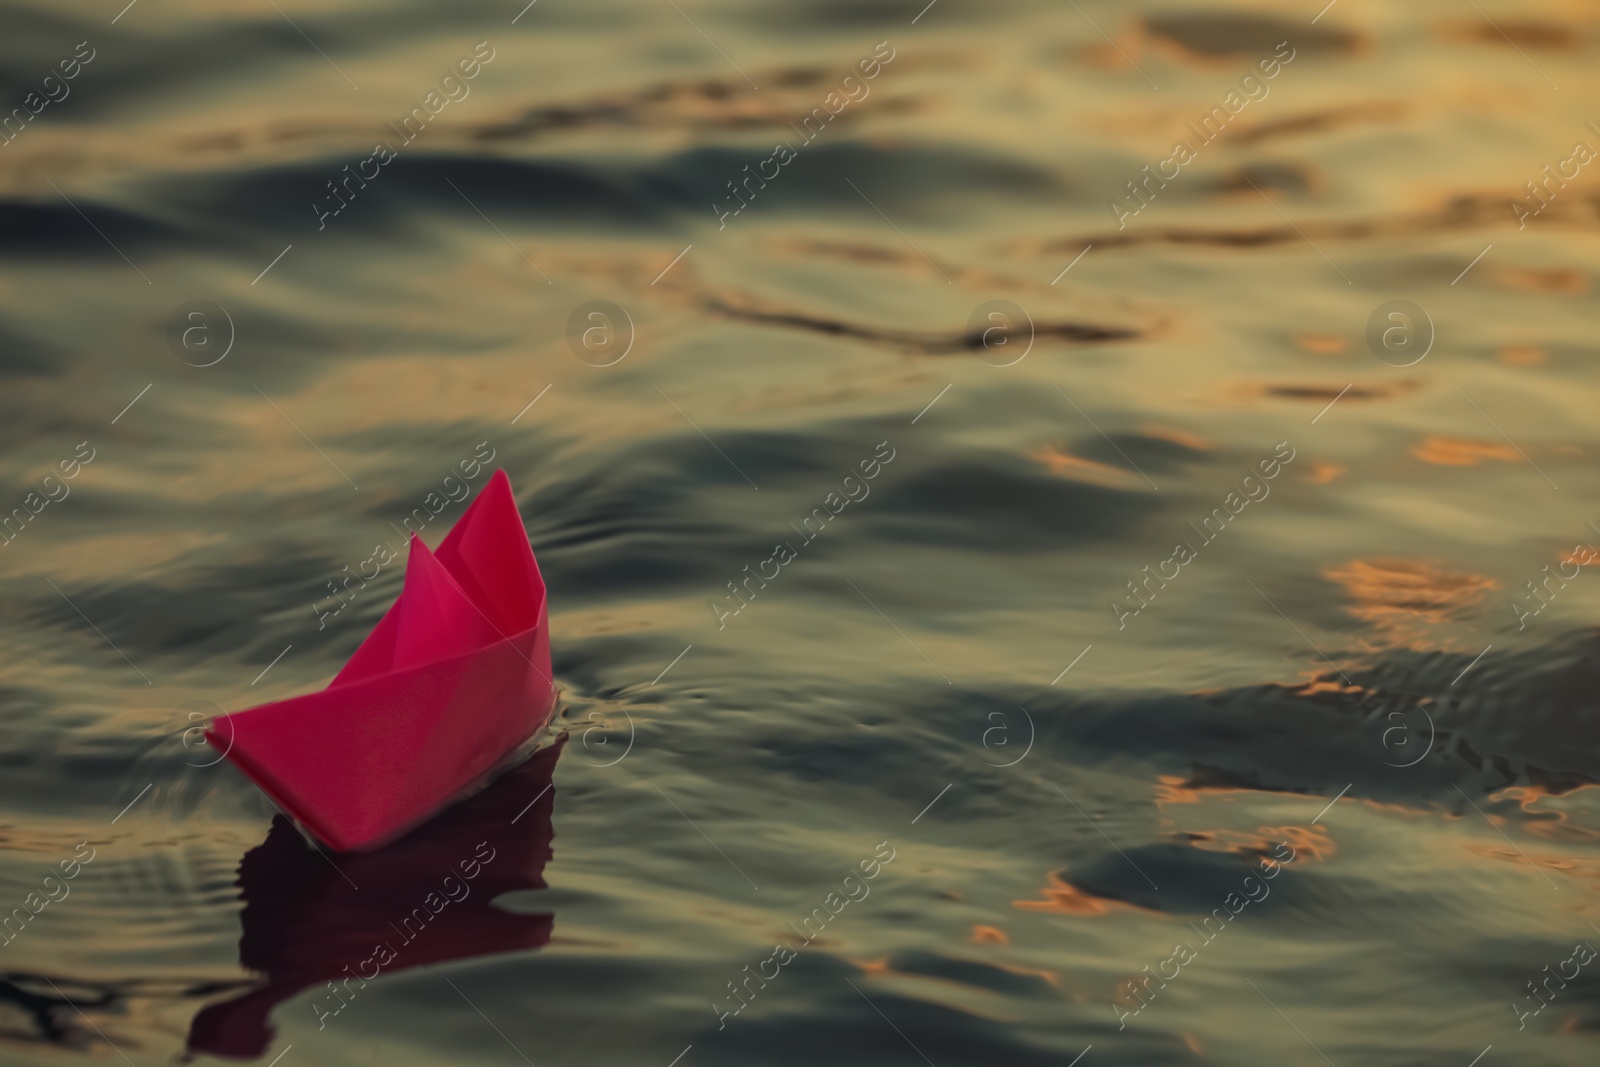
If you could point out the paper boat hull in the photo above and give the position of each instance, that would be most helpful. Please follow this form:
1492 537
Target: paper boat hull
455 676
363 763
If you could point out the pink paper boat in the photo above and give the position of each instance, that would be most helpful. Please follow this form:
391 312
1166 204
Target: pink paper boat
455 676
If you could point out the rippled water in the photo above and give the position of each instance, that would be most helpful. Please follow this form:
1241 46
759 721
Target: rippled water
1317 789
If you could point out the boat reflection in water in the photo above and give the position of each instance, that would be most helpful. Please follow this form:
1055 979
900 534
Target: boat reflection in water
426 898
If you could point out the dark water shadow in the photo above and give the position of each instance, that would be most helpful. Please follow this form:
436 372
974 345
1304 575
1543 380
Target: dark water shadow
307 922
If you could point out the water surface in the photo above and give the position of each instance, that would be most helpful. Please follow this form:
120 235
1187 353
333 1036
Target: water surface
1055 778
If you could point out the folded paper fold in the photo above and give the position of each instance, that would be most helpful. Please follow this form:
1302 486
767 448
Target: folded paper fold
455 676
